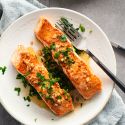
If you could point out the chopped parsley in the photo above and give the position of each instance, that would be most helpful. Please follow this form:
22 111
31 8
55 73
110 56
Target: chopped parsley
3 69
41 77
53 80
49 90
53 47
18 90
27 98
67 60
59 97
32 91
28 105
57 54
52 119
48 97
82 28
65 53
55 71
23 79
62 38
26 74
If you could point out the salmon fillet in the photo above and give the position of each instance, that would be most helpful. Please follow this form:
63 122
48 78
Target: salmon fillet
57 99
63 53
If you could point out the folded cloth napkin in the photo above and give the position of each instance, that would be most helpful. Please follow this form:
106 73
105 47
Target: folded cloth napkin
114 111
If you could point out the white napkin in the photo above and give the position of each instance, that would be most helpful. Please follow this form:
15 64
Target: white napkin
114 111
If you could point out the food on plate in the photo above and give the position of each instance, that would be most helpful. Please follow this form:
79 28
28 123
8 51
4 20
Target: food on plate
26 63
63 53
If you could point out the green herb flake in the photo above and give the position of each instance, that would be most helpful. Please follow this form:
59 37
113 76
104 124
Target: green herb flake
53 47
65 53
23 79
27 98
55 71
26 74
18 90
3 69
63 38
70 61
50 90
48 97
82 28
57 54
90 31
28 105
41 77
54 80
68 49
59 97
52 119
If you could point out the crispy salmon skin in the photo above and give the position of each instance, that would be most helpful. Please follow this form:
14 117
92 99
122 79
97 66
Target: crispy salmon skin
63 53
57 99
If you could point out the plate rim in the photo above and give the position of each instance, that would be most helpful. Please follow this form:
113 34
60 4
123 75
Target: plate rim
78 13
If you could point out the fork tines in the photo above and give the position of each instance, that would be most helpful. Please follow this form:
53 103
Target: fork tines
68 29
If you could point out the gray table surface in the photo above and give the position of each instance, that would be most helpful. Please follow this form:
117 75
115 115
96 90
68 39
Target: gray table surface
109 15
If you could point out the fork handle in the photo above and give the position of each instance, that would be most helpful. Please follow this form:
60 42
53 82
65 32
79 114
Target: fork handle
119 83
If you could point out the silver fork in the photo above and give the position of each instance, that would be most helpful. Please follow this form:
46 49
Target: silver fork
76 38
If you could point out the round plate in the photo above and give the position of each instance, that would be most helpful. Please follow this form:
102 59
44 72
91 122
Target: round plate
22 32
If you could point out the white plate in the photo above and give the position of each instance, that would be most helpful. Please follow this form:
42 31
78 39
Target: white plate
22 31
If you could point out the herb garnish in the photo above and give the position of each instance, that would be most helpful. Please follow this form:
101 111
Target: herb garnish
66 59
59 97
23 79
28 105
48 97
26 74
55 71
32 91
62 38
53 46
3 69
57 54
27 98
82 28
41 77
18 90
52 119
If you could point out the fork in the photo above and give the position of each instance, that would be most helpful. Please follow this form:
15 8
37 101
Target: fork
73 34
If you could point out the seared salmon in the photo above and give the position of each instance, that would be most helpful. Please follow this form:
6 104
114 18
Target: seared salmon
63 53
26 62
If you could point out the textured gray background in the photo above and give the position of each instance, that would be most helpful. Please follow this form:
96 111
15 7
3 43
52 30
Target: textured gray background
109 15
